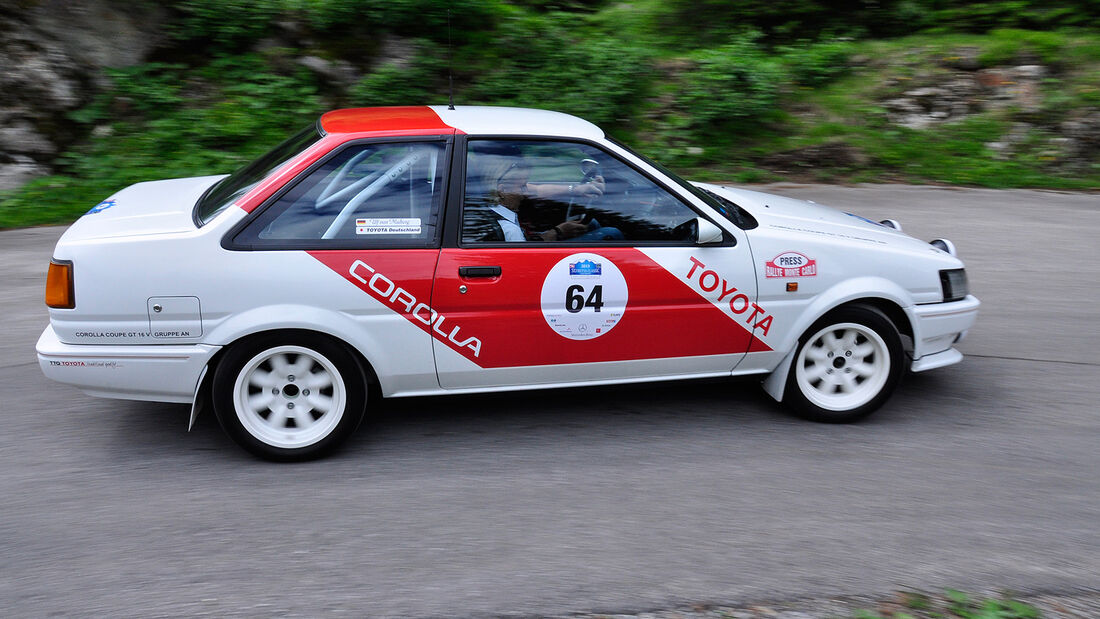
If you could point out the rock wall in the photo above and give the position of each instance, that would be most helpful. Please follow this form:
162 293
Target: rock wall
52 56
1071 143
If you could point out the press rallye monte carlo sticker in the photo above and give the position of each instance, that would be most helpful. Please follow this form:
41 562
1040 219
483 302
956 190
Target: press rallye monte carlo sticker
790 264
584 296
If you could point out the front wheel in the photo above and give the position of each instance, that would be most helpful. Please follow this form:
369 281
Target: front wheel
847 365
288 396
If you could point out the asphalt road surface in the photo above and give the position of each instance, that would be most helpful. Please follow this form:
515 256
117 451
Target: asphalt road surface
981 475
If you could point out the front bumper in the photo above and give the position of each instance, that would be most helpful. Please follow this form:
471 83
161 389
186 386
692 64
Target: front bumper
161 373
939 326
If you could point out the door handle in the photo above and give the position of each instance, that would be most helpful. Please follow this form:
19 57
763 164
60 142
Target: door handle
479 271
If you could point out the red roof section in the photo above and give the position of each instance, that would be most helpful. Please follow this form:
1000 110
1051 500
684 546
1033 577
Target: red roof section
388 119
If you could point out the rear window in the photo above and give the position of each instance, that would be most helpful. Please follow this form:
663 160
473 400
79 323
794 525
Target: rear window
229 189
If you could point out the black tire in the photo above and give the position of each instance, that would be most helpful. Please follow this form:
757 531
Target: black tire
847 365
289 395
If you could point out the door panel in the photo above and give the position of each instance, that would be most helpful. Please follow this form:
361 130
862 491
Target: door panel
575 314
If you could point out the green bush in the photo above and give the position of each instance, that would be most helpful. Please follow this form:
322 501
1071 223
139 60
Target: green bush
545 63
734 84
1008 45
421 81
814 64
949 16
207 120
223 25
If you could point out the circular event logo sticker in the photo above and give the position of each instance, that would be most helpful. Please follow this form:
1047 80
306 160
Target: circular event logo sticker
584 296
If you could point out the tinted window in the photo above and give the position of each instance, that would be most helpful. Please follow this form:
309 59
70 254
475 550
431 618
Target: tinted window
563 191
739 216
367 194
232 187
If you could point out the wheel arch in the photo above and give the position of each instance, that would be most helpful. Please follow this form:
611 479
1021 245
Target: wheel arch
892 310
248 426
204 390
303 319
889 299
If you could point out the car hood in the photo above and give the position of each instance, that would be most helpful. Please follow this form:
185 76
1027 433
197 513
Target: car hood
802 215
155 207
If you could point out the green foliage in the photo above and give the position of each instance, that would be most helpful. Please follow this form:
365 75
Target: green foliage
917 601
788 20
731 85
237 109
421 81
576 6
1009 45
545 63
418 18
52 200
230 26
961 606
964 607
814 64
666 74
950 16
223 25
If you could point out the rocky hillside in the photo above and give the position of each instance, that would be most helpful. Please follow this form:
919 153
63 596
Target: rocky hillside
53 55
102 93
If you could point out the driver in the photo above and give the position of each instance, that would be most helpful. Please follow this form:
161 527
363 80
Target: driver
513 187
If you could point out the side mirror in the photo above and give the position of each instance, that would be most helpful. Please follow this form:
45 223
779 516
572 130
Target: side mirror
707 233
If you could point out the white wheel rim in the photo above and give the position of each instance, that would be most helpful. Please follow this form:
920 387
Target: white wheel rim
289 396
843 366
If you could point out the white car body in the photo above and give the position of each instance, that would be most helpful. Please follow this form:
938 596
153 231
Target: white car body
157 297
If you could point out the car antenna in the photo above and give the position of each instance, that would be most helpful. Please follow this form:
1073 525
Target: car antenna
450 71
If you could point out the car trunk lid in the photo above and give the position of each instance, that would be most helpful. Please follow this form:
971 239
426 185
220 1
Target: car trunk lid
155 207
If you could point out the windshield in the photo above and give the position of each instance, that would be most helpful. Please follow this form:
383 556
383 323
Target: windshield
740 217
229 189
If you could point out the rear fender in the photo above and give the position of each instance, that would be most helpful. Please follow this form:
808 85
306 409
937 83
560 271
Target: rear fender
306 318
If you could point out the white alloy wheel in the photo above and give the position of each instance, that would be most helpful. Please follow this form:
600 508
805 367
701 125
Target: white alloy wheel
843 366
289 397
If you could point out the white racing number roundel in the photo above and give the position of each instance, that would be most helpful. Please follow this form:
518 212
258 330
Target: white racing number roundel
583 296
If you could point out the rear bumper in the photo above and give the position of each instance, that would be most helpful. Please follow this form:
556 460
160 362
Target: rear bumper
939 326
161 373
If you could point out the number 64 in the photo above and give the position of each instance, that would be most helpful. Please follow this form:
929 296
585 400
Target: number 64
575 300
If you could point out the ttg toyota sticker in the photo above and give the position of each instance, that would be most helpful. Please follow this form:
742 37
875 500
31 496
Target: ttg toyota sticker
584 296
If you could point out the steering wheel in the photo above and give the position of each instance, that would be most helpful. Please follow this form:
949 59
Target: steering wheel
590 169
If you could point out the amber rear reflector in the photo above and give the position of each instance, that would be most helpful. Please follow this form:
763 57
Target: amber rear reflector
59 285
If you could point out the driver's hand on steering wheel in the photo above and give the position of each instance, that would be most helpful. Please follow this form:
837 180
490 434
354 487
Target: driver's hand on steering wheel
592 189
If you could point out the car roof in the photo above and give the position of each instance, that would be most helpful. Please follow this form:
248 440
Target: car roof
472 120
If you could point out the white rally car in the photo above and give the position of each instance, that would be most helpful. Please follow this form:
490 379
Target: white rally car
426 250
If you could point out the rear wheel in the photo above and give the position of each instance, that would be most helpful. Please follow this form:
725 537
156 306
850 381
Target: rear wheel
289 396
847 365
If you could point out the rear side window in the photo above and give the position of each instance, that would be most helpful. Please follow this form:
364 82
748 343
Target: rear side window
367 195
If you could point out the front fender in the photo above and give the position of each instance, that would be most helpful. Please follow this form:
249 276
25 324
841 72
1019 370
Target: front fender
841 293
847 291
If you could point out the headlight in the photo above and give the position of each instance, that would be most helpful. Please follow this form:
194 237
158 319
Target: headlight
954 284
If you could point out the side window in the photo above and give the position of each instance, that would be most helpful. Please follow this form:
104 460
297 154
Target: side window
368 194
537 191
